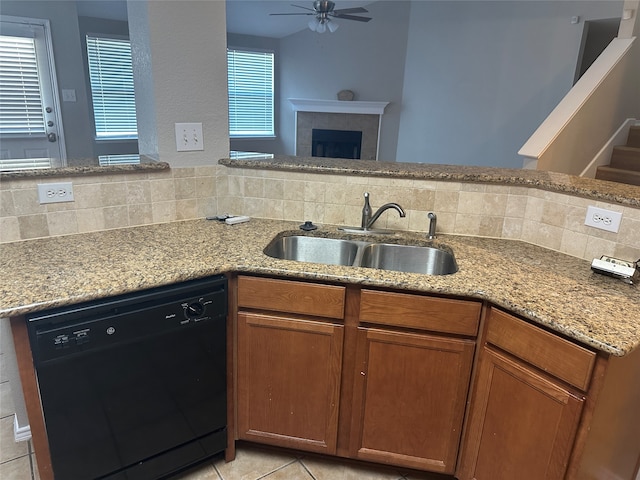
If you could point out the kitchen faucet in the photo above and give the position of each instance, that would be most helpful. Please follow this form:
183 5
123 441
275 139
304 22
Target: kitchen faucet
368 219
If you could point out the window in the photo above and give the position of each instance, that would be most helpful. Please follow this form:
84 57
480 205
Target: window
112 93
31 133
250 93
22 112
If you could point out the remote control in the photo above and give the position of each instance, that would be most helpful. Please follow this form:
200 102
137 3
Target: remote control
238 219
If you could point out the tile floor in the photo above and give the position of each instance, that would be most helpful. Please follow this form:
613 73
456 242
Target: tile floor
16 459
254 463
251 463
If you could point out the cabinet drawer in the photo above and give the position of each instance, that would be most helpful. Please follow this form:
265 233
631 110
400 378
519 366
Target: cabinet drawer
557 356
420 312
291 296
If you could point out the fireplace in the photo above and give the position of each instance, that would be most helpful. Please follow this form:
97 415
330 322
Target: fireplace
337 117
336 143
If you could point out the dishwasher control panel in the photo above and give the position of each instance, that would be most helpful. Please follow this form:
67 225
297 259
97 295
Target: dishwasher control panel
84 327
66 339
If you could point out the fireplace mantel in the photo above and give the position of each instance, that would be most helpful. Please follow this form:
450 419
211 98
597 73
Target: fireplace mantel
338 106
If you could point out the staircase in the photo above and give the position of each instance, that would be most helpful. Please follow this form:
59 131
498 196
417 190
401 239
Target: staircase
625 161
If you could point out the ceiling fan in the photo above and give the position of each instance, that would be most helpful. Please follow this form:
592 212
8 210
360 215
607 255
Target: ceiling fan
323 12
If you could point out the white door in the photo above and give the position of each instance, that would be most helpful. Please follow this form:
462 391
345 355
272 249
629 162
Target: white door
30 122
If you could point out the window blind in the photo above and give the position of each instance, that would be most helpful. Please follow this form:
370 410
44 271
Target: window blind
13 164
21 113
250 93
125 159
112 92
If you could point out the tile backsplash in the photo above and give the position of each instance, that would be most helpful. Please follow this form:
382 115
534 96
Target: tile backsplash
549 219
103 202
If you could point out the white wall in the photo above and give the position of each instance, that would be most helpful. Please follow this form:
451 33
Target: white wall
187 40
469 84
481 76
367 58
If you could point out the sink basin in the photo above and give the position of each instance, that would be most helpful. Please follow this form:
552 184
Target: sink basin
384 256
313 249
409 259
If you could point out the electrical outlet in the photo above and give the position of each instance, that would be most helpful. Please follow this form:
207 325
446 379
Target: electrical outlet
189 137
603 219
55 192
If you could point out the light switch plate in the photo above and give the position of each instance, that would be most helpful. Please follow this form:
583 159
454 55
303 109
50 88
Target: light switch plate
189 137
68 95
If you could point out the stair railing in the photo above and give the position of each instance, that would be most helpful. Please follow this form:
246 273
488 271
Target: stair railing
585 119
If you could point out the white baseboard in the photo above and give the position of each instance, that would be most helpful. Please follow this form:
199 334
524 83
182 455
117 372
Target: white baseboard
21 434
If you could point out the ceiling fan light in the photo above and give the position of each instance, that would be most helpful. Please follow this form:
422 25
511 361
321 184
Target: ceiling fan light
313 24
322 27
333 26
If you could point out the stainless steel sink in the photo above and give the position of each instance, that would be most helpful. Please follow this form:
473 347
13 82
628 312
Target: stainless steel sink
384 256
408 258
313 249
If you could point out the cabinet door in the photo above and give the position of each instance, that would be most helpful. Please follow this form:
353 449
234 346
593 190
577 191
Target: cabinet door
409 398
522 425
289 381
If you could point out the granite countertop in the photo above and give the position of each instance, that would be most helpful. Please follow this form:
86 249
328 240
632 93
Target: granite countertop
551 181
548 287
89 167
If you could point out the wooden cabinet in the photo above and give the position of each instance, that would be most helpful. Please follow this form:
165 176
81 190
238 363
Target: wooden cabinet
418 381
523 425
289 381
409 399
524 417
405 374
289 367
411 387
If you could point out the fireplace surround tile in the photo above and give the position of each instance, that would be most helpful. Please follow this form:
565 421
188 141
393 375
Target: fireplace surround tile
368 124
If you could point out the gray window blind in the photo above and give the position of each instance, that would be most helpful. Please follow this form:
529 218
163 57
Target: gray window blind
112 93
13 164
128 159
21 113
250 93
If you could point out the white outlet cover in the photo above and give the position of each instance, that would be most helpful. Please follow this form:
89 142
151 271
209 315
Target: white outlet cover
55 192
189 137
603 219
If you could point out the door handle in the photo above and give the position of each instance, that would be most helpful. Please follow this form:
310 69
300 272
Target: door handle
52 137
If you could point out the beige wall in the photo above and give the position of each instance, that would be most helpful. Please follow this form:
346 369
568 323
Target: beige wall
188 47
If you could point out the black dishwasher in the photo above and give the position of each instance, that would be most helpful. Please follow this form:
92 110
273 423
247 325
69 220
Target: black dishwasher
134 386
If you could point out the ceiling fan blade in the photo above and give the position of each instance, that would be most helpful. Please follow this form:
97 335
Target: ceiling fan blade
306 8
292 14
351 10
352 17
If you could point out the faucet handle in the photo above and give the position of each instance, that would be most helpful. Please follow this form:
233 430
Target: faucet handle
366 212
433 218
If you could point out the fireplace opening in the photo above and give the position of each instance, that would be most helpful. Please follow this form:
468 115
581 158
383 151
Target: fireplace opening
336 143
